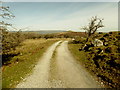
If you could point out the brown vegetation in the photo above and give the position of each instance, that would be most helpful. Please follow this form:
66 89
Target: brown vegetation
104 61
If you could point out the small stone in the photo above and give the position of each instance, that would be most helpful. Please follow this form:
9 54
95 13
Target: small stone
102 83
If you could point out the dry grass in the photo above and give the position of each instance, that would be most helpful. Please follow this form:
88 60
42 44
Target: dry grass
30 52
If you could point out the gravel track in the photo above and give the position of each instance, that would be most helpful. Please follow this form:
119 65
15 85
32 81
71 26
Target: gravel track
40 75
72 74
62 71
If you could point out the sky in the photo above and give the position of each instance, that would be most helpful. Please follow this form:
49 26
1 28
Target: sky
62 15
60 0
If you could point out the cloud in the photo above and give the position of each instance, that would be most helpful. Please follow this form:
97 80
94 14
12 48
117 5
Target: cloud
76 20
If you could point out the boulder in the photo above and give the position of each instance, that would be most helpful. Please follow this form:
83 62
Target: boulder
97 42
73 39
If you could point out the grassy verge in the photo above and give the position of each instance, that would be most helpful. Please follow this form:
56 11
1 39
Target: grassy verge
53 68
79 55
22 64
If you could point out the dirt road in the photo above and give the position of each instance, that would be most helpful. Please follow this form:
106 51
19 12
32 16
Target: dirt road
58 69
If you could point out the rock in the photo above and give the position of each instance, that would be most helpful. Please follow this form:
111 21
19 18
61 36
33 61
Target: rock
97 42
102 83
73 39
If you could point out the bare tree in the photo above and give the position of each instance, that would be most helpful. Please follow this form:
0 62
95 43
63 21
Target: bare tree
5 14
93 26
5 36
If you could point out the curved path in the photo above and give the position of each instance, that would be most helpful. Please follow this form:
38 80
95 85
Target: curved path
58 69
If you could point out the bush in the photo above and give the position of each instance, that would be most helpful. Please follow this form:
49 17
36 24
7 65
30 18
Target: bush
104 60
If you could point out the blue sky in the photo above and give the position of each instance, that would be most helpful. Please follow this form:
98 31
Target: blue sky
60 0
62 15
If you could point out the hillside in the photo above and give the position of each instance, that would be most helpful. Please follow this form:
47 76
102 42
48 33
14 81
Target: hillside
44 31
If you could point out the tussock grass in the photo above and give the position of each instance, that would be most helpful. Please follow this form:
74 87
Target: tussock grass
30 52
53 67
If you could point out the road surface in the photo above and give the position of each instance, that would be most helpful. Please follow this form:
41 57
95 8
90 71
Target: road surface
58 69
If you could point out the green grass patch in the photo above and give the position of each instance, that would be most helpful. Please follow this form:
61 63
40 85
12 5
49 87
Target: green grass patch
79 55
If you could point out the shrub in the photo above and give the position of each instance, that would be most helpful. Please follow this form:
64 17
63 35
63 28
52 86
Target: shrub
104 60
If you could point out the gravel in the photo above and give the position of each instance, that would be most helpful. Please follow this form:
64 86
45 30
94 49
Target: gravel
67 72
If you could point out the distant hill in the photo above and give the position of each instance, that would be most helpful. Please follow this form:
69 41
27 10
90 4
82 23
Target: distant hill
71 34
47 31
57 33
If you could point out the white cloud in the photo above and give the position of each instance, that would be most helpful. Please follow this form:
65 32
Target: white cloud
78 19
73 21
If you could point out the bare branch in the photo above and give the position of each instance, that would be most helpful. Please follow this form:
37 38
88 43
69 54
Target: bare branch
94 24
